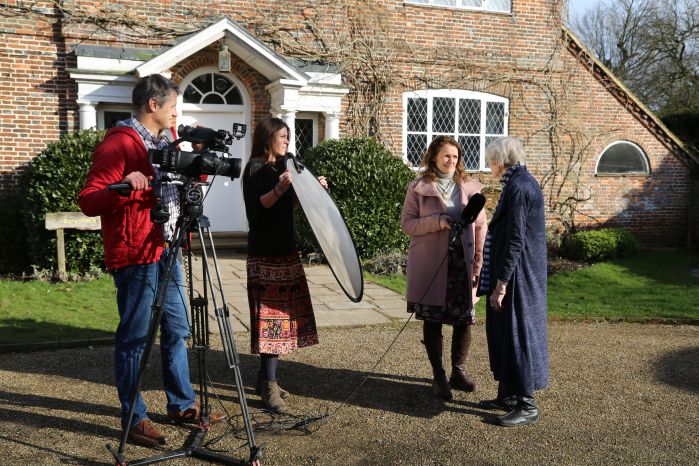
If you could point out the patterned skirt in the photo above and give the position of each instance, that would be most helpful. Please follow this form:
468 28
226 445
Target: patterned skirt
456 310
281 313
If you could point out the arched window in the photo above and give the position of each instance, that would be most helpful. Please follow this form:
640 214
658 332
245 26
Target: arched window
212 88
623 158
474 119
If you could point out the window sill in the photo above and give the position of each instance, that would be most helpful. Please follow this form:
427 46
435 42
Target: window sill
459 8
622 175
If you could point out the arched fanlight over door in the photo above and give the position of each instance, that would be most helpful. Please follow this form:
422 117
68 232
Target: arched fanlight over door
212 88
623 158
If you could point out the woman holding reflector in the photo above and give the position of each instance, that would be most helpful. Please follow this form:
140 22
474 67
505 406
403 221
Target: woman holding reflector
281 314
443 274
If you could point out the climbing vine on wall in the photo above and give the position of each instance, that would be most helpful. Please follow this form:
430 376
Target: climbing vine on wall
377 63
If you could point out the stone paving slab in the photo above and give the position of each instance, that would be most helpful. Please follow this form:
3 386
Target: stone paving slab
352 318
332 307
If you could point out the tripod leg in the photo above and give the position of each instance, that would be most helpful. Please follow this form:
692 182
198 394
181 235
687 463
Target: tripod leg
156 316
223 319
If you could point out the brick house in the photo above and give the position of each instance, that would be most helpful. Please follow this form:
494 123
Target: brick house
401 70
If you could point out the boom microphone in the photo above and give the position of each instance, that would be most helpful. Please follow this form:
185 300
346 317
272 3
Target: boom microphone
472 209
197 133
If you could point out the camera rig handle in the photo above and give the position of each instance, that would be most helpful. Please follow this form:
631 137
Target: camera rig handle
154 183
122 186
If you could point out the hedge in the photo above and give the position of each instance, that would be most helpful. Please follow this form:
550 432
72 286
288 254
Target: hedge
367 183
51 183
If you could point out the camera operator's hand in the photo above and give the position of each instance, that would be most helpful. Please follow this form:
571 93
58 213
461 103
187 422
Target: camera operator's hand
137 180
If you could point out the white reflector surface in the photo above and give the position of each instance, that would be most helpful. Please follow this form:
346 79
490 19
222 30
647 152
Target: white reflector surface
330 230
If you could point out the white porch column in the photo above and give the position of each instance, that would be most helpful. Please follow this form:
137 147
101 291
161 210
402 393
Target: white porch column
88 115
332 125
289 117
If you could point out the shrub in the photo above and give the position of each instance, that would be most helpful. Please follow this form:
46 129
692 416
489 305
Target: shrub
600 245
368 185
554 240
387 264
13 246
627 244
51 183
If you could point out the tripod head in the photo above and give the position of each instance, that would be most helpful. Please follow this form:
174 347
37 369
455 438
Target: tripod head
190 193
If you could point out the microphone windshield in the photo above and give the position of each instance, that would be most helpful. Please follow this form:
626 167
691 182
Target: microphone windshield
196 133
472 209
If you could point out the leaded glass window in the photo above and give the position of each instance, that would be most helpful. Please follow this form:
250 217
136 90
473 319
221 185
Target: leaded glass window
212 88
304 135
472 118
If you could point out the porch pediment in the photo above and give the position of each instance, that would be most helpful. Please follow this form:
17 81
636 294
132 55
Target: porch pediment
240 42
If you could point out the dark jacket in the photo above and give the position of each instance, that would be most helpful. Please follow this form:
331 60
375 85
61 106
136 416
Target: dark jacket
129 236
517 336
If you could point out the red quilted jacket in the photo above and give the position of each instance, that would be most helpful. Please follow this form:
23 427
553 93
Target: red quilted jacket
129 236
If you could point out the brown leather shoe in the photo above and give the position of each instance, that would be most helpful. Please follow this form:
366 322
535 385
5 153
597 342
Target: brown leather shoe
191 416
144 433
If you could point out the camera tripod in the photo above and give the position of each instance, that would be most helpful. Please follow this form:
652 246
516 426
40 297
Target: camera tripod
192 220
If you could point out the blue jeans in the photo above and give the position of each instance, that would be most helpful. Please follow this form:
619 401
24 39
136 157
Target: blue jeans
136 291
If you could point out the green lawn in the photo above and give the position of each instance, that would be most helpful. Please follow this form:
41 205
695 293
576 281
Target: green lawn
38 311
652 285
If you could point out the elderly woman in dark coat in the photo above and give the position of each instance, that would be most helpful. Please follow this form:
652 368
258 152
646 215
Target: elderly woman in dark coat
514 278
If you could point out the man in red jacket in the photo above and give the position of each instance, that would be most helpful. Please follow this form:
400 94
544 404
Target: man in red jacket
136 251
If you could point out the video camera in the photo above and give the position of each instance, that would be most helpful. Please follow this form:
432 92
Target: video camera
204 162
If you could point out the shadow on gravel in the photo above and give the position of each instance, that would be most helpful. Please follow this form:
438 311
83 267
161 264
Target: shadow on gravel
29 330
402 394
60 455
406 395
679 369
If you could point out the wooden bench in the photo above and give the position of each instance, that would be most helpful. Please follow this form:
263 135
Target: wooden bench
59 221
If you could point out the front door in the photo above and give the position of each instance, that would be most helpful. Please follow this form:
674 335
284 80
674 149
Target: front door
224 198
217 101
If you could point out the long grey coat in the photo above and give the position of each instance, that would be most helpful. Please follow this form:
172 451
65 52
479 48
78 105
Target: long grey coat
517 336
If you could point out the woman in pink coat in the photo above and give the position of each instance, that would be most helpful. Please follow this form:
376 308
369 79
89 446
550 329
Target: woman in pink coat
442 280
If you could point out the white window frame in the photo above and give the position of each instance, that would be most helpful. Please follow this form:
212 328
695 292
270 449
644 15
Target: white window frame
430 94
211 107
111 108
314 117
644 157
459 5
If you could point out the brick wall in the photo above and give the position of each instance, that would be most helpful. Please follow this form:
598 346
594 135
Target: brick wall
519 55
37 99
654 207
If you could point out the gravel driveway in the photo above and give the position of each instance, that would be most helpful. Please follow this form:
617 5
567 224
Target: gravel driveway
619 394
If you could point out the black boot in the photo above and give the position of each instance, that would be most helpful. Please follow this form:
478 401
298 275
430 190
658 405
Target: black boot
434 347
525 413
505 401
460 344
505 404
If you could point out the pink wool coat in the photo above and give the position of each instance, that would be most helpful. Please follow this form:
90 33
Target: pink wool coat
422 209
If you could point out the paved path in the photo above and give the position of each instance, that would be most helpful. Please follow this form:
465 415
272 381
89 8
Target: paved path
332 307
